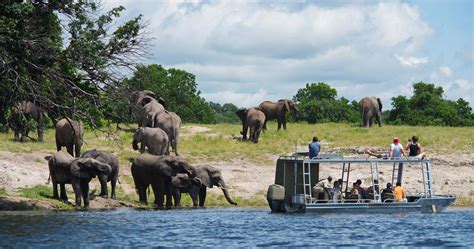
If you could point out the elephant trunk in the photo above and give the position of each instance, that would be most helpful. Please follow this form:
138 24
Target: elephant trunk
135 144
226 193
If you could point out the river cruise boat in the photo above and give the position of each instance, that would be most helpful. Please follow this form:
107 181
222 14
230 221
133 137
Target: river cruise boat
297 174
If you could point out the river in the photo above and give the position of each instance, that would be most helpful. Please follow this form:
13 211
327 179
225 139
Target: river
232 227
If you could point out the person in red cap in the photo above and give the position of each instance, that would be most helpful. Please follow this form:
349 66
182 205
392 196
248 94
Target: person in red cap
396 149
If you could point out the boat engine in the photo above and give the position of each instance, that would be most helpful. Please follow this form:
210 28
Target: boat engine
276 198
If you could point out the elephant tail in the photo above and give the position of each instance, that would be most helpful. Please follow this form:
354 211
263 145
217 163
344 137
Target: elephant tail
49 179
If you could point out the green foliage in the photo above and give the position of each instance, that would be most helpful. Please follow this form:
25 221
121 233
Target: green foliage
68 80
177 87
427 107
318 103
37 192
225 113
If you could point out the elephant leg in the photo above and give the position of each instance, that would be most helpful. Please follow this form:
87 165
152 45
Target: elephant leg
63 195
284 123
113 182
142 193
257 135
265 125
176 197
175 141
379 119
202 196
77 147
252 134
279 123
245 128
159 194
77 193
103 186
85 191
194 193
55 189
168 192
70 150
17 136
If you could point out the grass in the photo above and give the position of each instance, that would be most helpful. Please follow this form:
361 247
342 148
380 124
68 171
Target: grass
3 192
462 201
220 144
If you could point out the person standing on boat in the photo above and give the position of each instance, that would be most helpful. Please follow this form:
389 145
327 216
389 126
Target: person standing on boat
414 148
314 148
399 192
396 149
323 186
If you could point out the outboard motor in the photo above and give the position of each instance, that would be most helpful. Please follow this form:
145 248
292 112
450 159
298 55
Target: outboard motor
276 198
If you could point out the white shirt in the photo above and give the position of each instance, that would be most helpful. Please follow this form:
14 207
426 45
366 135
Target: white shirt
397 150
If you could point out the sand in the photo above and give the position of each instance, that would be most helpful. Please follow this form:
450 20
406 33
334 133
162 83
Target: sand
452 174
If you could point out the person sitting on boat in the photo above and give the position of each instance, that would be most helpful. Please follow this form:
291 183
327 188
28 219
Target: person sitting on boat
399 192
323 186
336 190
396 149
357 191
387 193
370 190
314 147
414 148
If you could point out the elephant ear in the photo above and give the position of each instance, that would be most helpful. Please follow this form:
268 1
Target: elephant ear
162 102
242 114
380 104
181 181
88 168
285 106
172 167
145 100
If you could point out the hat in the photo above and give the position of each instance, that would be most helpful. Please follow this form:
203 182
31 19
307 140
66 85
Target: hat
395 140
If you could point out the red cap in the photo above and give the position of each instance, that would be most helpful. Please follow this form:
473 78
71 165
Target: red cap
395 140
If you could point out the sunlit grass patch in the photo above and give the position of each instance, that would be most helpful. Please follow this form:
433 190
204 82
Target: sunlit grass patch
3 192
462 201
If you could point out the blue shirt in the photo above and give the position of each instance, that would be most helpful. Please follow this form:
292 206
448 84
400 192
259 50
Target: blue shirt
314 148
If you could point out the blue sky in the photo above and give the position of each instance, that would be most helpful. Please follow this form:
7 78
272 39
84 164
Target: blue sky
245 52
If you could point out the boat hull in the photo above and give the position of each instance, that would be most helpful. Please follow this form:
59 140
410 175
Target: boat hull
421 205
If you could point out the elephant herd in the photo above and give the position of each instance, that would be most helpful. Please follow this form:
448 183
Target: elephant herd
169 176
255 119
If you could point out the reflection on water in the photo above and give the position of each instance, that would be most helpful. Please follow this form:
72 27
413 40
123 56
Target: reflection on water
235 227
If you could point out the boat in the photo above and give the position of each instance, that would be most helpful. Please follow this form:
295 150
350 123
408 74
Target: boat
296 175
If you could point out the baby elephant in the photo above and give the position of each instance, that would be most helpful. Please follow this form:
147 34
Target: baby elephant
154 138
64 169
69 133
113 161
206 177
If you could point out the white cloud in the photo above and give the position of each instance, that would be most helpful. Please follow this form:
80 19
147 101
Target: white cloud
245 52
411 61
446 71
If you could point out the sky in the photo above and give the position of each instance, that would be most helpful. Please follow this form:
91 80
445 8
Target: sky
245 52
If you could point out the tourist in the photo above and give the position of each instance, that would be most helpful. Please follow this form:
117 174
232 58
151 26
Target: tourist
387 193
396 149
323 186
414 148
336 190
314 148
399 193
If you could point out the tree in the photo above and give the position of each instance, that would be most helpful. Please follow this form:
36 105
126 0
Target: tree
427 107
318 103
225 113
177 87
69 75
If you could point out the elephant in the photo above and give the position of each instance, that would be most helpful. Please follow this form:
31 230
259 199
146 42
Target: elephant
137 103
206 177
69 133
169 122
157 170
64 169
251 118
19 110
370 108
149 105
113 161
277 110
154 138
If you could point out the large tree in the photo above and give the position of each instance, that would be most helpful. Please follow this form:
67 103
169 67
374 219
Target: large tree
318 103
427 107
177 87
65 56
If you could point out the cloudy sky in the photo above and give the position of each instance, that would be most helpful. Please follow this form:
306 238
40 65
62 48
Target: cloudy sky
244 52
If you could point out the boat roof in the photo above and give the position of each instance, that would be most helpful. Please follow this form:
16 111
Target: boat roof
338 158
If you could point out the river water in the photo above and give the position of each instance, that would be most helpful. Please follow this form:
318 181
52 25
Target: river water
233 227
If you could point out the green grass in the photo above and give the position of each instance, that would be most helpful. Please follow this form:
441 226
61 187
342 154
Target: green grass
219 144
3 192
